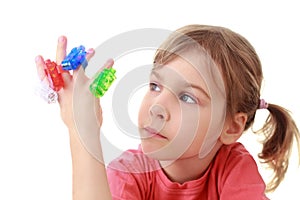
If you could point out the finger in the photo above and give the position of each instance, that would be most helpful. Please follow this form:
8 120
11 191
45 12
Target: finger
65 73
40 66
61 49
108 64
89 54
67 78
61 52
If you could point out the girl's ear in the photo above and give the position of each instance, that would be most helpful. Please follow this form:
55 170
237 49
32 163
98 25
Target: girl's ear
234 128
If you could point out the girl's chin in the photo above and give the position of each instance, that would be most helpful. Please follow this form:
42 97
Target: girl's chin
150 149
160 153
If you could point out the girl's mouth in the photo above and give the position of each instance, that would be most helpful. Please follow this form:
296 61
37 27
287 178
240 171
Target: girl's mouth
153 133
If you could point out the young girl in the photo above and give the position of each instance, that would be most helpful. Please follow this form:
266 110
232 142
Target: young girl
204 91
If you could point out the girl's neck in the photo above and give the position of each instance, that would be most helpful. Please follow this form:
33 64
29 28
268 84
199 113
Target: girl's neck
192 168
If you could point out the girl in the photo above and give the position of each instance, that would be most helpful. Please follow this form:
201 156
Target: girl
204 91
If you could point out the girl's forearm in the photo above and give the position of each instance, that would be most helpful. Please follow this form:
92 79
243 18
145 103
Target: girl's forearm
89 173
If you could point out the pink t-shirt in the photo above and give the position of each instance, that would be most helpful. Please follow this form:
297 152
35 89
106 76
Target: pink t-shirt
232 175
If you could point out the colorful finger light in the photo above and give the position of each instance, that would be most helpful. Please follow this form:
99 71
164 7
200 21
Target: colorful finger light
102 82
54 76
75 58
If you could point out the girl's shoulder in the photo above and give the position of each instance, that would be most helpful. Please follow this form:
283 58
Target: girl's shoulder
233 162
134 161
234 150
236 171
234 155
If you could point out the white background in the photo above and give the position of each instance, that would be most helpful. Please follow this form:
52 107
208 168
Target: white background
34 150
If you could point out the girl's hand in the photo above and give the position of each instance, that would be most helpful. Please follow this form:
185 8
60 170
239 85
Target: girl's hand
80 110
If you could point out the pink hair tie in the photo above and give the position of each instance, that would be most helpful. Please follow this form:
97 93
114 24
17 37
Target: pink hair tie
263 104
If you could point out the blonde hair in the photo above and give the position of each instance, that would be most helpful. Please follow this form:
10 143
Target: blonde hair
242 74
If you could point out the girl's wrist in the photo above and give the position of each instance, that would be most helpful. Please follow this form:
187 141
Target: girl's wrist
86 143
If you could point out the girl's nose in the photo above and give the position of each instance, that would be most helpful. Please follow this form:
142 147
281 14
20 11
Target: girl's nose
158 111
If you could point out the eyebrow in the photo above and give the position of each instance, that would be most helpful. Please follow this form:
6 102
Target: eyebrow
199 88
155 73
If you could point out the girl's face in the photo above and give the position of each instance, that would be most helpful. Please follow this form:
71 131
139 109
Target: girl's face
175 113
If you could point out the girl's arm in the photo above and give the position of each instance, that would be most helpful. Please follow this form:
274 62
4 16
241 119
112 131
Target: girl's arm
81 112
89 175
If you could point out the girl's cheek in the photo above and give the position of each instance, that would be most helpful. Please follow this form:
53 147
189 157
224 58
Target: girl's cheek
140 116
143 112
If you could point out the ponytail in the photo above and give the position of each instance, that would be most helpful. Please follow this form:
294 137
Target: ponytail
280 131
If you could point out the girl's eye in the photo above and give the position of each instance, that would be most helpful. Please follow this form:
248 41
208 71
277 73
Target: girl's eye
154 87
187 99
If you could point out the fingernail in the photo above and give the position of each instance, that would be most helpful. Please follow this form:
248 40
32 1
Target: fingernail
61 39
37 59
109 61
89 51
